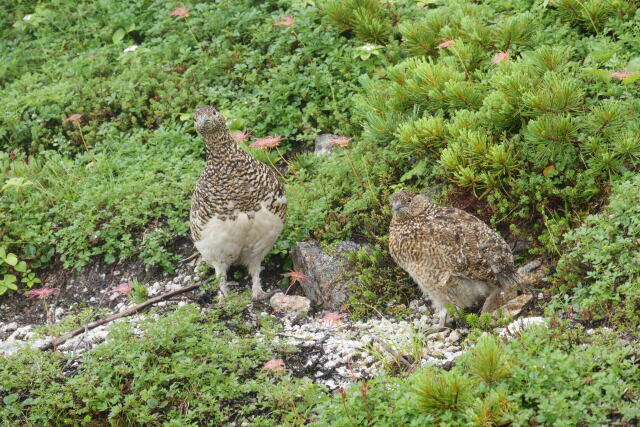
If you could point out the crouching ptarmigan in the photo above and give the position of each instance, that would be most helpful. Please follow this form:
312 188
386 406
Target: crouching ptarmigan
454 257
238 207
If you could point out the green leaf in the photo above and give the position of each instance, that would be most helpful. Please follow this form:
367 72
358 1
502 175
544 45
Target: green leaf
417 170
118 35
632 78
598 73
11 259
10 398
9 279
17 182
21 267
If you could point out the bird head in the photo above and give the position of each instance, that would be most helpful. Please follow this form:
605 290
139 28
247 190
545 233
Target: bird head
209 121
401 201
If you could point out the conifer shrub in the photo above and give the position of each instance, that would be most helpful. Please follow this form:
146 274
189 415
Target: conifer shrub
369 20
550 380
495 100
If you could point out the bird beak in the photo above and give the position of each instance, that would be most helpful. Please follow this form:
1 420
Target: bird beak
395 206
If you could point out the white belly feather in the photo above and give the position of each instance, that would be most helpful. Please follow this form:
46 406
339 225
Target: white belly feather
242 240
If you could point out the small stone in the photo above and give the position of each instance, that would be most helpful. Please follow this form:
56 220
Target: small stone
289 304
523 324
453 337
438 336
20 333
515 306
322 145
9 327
418 306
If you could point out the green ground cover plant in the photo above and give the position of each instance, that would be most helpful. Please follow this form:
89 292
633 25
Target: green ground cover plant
179 369
598 277
99 152
543 377
524 112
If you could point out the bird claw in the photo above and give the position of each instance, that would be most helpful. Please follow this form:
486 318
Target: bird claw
224 291
259 295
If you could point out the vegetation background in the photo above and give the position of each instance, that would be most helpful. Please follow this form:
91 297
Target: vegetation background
524 112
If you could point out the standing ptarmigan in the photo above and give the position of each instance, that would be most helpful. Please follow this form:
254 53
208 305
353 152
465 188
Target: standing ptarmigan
454 257
238 207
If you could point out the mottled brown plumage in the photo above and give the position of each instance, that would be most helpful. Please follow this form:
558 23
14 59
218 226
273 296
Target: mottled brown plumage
238 206
454 257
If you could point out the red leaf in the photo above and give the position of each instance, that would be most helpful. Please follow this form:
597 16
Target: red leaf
445 43
332 318
181 12
42 293
240 136
341 141
273 365
296 277
72 118
285 21
499 57
266 142
122 289
622 75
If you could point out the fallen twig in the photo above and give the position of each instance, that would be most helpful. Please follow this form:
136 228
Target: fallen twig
396 356
57 341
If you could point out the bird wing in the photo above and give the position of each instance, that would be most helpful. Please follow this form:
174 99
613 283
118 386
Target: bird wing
467 246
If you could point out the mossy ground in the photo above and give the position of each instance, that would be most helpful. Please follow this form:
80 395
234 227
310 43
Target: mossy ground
523 112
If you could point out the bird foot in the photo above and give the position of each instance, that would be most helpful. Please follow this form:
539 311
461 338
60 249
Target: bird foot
223 290
259 295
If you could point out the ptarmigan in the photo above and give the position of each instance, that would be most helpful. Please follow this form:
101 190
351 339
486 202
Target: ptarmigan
238 207
454 257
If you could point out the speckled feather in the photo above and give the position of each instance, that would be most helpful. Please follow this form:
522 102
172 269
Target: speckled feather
443 248
238 206
232 182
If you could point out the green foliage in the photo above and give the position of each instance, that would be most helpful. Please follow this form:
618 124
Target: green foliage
488 360
552 383
140 293
14 271
107 206
532 134
368 19
377 284
438 391
591 14
185 368
599 272
116 182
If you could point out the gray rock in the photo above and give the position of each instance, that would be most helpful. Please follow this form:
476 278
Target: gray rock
9 327
515 306
328 279
289 304
322 145
418 306
523 324
21 333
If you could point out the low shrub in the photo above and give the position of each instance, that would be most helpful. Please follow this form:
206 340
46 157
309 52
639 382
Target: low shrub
599 272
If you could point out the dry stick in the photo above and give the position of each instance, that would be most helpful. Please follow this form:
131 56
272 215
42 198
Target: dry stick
56 342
